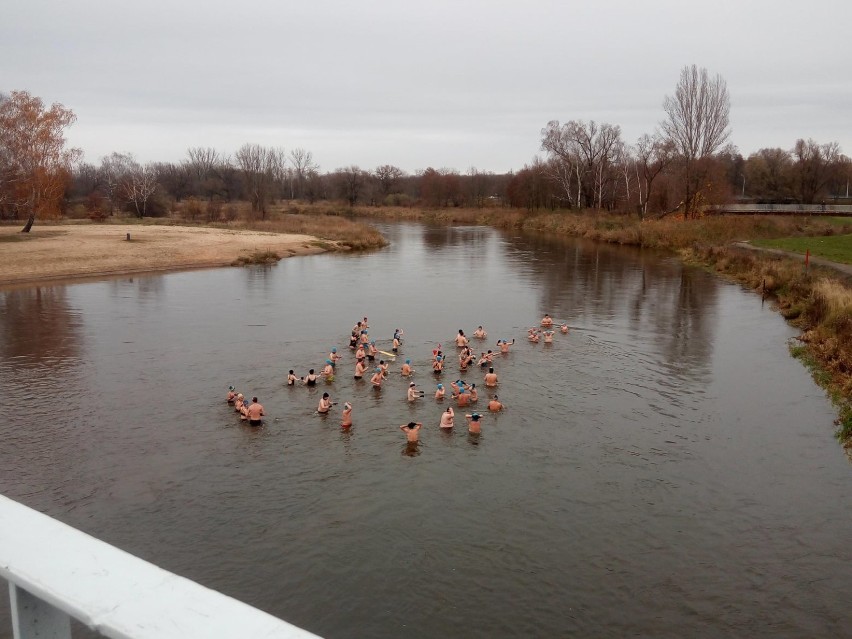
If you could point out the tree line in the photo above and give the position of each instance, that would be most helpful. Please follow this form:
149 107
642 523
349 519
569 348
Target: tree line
685 164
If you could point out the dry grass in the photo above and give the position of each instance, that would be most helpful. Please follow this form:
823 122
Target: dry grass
325 221
258 257
345 232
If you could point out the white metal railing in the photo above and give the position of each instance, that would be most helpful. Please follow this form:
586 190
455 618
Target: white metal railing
807 209
56 572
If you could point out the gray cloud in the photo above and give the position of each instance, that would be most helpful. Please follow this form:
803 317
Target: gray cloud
447 83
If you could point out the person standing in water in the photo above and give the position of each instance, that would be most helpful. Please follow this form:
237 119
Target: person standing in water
324 404
377 378
360 368
311 378
291 378
504 345
406 368
254 413
438 365
413 393
346 416
411 430
495 404
547 321
461 340
334 357
491 378
473 425
439 393
232 394
480 333
447 418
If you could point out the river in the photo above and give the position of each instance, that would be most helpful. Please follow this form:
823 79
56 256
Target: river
665 469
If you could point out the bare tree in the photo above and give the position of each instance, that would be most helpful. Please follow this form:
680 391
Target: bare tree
768 174
303 163
261 166
652 154
351 181
387 176
814 165
587 148
202 161
139 185
114 170
697 119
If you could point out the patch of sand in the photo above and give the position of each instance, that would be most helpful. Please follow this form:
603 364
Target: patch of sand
66 251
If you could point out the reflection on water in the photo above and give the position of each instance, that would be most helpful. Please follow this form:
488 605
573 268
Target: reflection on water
665 465
39 317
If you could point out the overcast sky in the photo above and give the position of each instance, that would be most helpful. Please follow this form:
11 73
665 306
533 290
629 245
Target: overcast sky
441 83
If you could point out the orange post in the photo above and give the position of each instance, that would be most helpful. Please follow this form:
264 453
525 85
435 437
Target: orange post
807 257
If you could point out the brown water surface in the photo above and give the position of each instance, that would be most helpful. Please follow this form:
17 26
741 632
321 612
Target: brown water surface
666 469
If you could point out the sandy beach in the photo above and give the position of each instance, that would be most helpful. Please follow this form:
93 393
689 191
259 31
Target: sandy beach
83 251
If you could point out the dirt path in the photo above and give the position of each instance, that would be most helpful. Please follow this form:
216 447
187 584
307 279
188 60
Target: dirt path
71 251
837 266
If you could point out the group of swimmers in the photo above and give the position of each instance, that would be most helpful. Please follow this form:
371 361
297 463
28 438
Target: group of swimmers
365 350
249 410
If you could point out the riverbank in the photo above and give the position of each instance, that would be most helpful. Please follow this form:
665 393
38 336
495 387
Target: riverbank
66 251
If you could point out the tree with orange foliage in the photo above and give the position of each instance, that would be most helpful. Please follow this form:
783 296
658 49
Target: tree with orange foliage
35 166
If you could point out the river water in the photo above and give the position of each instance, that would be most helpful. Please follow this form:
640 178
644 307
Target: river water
666 469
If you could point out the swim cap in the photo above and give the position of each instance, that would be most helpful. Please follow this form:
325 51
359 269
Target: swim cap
373 342
230 388
412 384
328 361
334 350
240 396
440 385
408 361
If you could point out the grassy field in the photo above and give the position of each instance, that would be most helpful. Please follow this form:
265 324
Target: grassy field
837 248
837 220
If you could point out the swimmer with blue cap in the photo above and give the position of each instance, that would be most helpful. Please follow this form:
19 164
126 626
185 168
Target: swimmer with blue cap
439 394
473 425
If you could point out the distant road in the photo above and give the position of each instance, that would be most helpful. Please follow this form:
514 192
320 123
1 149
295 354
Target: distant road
784 209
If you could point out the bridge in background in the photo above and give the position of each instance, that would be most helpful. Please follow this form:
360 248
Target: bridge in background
783 209
56 572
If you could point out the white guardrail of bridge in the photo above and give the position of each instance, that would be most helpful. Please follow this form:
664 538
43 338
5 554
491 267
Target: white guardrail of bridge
781 209
56 572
